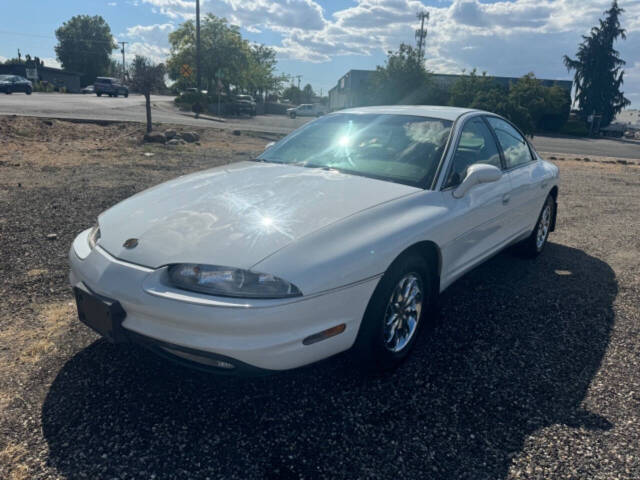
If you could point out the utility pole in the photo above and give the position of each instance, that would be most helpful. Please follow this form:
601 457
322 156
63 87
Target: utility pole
19 57
421 35
299 77
123 67
198 45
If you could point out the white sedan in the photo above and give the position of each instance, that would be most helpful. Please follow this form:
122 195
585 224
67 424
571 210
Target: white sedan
339 236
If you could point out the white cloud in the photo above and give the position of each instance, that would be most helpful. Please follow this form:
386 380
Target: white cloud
51 62
112 4
509 37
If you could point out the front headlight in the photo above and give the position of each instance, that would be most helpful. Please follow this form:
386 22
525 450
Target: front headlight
230 282
94 236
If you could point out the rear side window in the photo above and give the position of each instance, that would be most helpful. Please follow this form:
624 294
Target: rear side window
476 145
515 147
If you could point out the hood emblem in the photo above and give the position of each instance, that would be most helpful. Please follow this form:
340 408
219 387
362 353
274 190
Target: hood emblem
130 243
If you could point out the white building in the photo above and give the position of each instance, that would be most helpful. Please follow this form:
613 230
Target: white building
629 118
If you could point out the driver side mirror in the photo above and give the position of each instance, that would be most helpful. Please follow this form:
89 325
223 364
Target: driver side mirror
477 174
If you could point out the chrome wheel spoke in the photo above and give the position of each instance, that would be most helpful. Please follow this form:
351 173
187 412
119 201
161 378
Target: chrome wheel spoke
403 312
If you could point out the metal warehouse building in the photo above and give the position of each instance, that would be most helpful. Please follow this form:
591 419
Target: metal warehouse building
55 76
351 88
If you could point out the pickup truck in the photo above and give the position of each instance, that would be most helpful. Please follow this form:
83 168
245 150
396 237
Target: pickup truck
307 110
110 86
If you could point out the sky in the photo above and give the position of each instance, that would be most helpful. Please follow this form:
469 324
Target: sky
323 39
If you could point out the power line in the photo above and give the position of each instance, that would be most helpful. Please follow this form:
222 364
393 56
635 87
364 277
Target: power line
35 35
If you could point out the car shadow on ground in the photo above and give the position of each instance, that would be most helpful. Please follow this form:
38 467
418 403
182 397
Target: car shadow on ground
515 349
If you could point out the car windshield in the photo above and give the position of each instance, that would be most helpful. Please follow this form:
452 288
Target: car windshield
400 148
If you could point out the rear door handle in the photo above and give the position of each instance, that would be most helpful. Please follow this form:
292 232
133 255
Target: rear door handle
505 198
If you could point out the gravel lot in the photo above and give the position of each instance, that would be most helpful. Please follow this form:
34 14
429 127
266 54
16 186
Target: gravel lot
532 369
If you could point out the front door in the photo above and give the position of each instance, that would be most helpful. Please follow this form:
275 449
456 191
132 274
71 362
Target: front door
479 220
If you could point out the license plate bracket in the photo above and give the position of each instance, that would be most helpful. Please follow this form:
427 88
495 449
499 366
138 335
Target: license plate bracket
103 315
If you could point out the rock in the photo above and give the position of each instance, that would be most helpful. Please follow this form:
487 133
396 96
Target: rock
237 132
176 141
169 134
47 122
190 136
154 137
52 236
148 154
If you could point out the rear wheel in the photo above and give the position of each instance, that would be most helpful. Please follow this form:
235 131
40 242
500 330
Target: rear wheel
395 314
99 94
534 244
28 91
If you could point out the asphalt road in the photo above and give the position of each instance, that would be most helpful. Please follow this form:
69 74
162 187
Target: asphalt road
91 107
132 109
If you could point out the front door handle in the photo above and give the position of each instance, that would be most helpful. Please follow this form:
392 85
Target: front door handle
505 198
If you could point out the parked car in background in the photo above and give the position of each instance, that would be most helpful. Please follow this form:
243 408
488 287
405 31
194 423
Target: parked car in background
307 110
15 83
88 89
341 235
242 104
192 90
110 86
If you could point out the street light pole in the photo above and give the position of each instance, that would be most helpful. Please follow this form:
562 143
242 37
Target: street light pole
198 45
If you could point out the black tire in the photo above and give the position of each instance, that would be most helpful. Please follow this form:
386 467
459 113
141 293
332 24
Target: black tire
8 91
370 349
126 94
292 115
99 94
535 243
28 91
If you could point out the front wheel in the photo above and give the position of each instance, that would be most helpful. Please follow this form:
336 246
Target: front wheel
126 94
99 94
395 314
28 91
534 244
292 115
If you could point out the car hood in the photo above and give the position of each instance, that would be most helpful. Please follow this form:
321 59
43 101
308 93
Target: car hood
236 215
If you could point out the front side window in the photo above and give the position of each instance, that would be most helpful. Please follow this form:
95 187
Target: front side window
476 145
514 146
400 148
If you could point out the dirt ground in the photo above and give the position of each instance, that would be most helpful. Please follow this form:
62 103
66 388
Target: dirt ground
532 370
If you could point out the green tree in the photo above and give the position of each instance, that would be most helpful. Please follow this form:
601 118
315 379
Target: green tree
225 57
146 77
294 94
84 45
402 80
308 93
261 78
466 88
599 72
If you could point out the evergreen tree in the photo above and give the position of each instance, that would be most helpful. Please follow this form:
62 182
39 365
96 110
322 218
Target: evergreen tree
599 69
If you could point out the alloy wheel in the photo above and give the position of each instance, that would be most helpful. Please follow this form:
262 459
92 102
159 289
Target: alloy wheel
543 227
403 313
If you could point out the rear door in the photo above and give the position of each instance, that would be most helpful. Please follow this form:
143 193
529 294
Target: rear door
479 221
523 171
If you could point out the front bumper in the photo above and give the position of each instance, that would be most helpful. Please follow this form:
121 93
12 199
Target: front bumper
264 334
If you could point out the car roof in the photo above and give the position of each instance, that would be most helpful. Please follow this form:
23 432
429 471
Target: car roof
433 111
